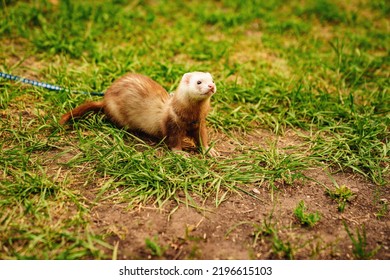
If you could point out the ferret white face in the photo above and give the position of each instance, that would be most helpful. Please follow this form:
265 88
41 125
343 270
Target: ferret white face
198 85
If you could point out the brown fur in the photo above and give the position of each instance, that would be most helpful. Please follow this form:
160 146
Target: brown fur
136 102
191 123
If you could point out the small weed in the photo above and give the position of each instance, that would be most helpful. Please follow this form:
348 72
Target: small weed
359 244
283 249
309 219
383 210
267 228
269 231
154 247
342 194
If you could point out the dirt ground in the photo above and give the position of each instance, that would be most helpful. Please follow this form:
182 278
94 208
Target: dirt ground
230 230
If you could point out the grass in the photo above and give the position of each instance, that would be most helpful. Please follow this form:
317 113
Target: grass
383 210
319 68
153 246
359 244
341 194
305 218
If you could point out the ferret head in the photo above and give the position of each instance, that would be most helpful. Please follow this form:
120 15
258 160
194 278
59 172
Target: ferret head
197 85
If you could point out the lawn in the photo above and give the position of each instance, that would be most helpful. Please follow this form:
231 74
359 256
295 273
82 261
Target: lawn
301 119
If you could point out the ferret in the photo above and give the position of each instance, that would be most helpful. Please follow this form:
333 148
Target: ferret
136 102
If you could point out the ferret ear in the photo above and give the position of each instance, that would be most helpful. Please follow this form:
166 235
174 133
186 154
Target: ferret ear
186 78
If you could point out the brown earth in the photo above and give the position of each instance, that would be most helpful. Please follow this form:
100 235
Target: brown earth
240 227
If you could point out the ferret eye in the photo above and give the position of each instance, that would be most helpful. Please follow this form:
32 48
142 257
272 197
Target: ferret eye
199 82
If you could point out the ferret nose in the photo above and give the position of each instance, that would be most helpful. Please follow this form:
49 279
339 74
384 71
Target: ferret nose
212 87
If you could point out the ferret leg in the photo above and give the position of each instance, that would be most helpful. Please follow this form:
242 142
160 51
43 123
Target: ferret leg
173 135
201 139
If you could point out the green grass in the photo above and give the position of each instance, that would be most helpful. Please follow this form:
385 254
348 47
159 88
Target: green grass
320 68
341 194
359 244
383 209
305 218
153 246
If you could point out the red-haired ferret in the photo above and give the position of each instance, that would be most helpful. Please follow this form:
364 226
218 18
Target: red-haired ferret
138 103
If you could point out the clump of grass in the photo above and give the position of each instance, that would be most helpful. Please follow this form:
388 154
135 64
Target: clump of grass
305 218
154 247
281 248
273 165
355 145
148 173
359 244
341 194
267 230
325 10
383 209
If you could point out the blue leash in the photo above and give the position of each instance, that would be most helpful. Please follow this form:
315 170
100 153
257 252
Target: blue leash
45 85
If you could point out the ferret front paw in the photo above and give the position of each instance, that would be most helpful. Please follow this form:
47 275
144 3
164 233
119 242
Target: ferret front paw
181 152
212 152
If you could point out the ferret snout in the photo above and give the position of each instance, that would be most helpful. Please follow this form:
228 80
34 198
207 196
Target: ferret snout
212 87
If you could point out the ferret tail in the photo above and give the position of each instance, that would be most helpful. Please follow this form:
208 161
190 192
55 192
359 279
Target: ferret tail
92 106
